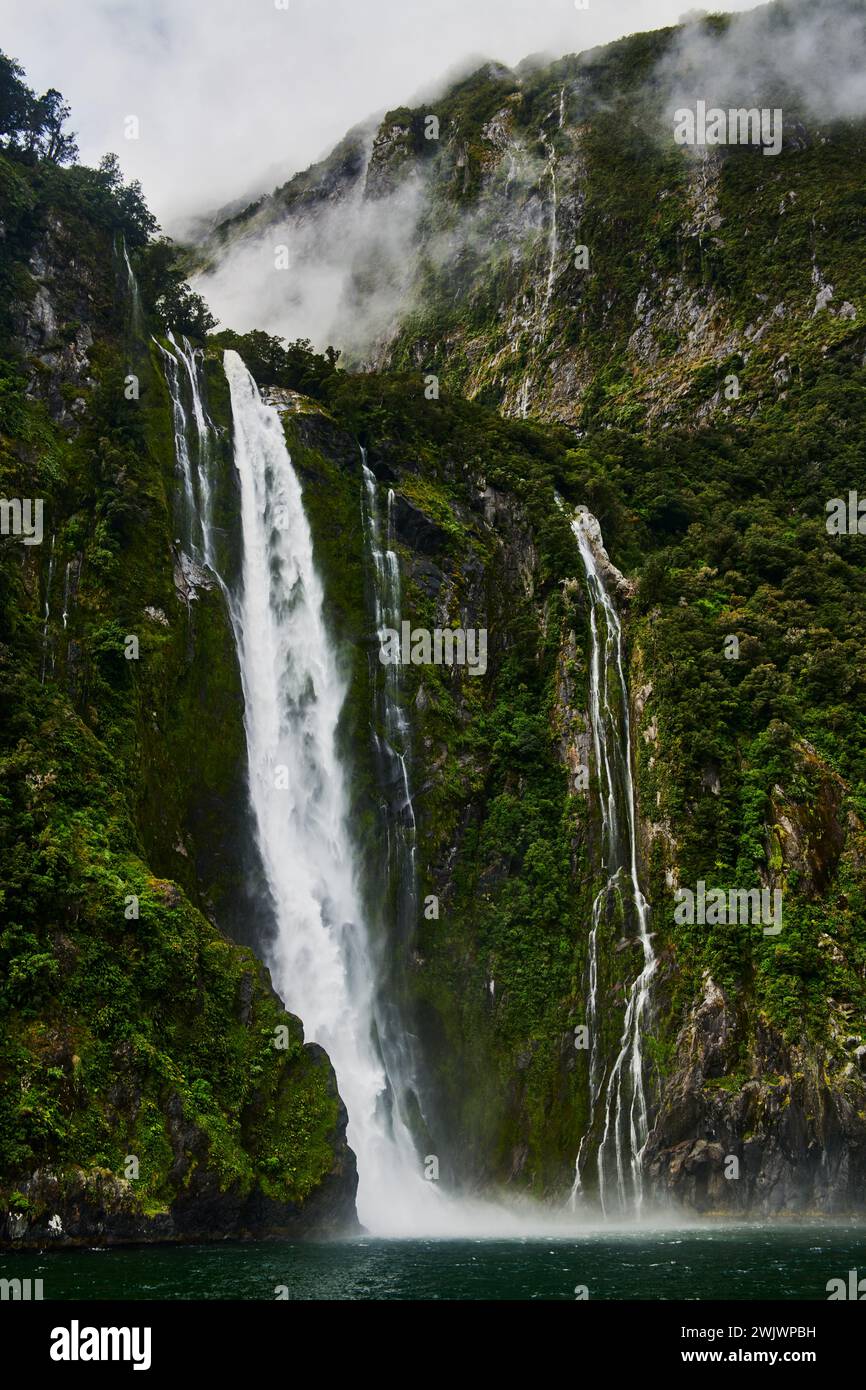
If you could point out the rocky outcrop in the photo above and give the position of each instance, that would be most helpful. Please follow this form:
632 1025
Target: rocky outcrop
416 530
614 580
63 1208
806 839
53 324
748 1125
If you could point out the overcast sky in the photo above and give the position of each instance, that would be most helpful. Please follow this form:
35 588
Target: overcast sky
234 96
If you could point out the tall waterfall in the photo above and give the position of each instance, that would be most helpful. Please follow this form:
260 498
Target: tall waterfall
321 959
625 1124
293 697
323 962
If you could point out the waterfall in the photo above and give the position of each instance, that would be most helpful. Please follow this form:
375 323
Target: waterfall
66 593
136 315
554 233
392 751
321 960
625 1125
554 237
194 466
551 273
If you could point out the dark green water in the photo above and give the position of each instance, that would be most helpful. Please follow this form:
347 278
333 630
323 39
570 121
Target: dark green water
731 1262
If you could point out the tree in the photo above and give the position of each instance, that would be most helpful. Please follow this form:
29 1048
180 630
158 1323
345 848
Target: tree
138 221
15 100
51 113
184 311
162 283
31 126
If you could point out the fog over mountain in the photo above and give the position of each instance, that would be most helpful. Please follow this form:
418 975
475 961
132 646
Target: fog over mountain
357 238
234 98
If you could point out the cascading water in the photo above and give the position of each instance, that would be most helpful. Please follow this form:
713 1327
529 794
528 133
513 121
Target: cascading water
554 231
293 697
551 272
193 462
46 615
66 593
135 316
392 737
321 958
392 749
625 1125
541 314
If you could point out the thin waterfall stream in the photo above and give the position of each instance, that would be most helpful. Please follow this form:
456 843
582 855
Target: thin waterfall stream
392 738
392 742
623 1099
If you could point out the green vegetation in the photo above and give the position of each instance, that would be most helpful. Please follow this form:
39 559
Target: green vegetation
751 766
129 1024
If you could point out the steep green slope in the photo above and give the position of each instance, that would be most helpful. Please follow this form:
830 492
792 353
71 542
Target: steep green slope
151 1085
546 247
750 774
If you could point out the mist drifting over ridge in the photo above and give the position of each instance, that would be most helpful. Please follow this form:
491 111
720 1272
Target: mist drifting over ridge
355 242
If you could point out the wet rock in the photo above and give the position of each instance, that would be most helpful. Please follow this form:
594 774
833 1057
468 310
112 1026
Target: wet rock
190 577
417 530
799 1144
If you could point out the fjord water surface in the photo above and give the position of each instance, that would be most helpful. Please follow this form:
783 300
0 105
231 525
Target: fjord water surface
736 1262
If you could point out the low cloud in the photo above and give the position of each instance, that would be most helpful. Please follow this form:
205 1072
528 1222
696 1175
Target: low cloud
347 276
233 98
806 54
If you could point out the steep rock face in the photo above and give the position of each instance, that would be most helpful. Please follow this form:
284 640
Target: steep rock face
68 1205
760 1112
784 1133
52 329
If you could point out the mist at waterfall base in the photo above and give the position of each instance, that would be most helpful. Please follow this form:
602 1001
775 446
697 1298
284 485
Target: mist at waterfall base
322 958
